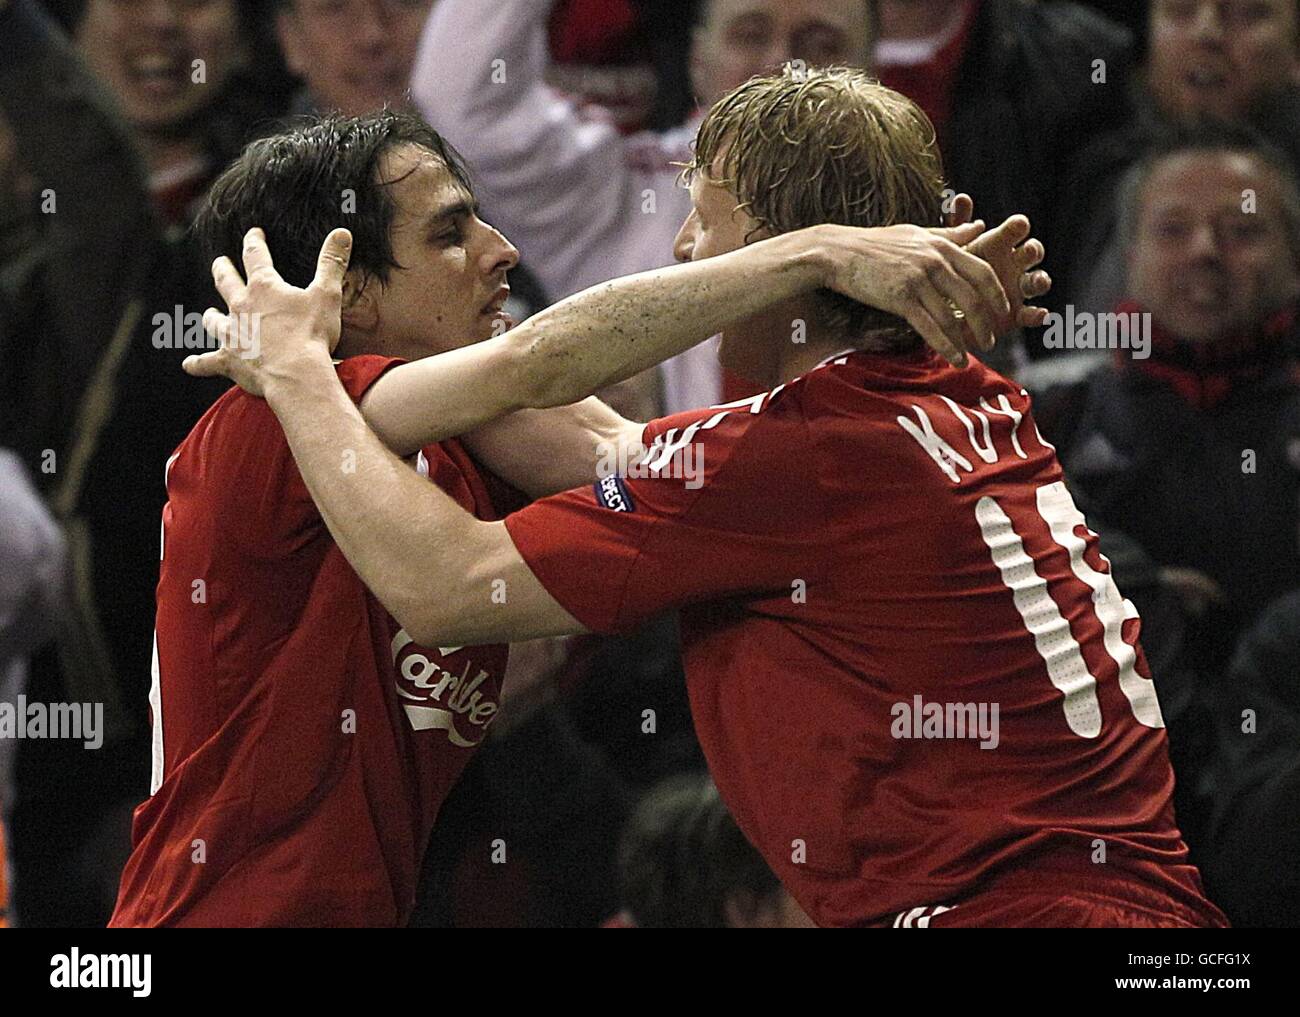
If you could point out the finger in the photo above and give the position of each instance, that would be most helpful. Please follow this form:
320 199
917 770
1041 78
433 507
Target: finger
980 274
962 211
1033 317
1035 285
1030 254
976 323
230 284
939 303
1014 230
924 322
256 254
208 365
960 235
218 326
332 265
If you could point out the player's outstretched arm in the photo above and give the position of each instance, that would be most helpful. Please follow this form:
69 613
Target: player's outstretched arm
619 328
405 538
610 331
447 577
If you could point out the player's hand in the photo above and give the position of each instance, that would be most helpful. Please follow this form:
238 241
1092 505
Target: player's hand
1015 257
952 298
273 329
1015 262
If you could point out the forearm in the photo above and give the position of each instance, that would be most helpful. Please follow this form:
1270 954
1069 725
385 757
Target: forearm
543 452
402 535
592 339
616 329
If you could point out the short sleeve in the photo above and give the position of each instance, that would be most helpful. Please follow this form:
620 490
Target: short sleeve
236 465
356 374
719 517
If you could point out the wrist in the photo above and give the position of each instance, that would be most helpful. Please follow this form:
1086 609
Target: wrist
304 376
811 257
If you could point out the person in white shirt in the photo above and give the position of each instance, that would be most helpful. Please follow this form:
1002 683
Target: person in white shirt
583 202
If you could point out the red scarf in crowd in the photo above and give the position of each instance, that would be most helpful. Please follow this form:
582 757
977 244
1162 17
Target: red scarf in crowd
1205 374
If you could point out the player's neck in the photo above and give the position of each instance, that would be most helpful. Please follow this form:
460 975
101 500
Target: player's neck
800 358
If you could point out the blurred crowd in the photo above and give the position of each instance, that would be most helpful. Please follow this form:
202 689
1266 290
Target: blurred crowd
1154 144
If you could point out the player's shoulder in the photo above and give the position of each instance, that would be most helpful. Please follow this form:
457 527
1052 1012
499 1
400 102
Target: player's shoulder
722 421
358 373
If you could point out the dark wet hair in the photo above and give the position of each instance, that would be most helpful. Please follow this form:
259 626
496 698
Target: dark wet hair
301 184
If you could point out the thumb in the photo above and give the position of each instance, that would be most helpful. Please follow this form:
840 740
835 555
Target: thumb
332 264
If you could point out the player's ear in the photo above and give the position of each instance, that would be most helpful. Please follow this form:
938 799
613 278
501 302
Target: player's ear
360 301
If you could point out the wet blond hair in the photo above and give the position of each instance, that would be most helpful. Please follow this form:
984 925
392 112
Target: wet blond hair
832 145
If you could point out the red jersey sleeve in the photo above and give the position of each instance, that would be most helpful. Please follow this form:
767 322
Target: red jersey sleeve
702 518
356 374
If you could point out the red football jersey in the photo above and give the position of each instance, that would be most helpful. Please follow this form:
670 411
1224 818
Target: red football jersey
908 664
302 743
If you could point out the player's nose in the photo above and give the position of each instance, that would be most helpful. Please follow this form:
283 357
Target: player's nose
501 255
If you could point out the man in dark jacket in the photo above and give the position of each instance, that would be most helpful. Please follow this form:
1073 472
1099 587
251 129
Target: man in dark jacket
1194 451
999 76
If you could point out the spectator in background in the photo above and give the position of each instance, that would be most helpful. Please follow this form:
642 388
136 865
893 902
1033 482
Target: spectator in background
684 864
354 56
73 299
584 202
181 73
1000 76
601 57
1234 61
1253 867
1193 450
